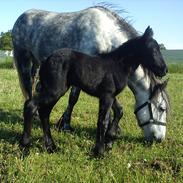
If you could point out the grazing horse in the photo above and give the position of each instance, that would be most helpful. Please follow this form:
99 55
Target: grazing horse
37 33
103 76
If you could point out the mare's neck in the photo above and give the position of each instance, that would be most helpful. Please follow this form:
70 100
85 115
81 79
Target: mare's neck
140 84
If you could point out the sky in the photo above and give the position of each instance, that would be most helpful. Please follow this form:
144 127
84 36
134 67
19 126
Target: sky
164 16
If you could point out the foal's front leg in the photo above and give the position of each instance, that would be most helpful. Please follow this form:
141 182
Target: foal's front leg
114 128
102 124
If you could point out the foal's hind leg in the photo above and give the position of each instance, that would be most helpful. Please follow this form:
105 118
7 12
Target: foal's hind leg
44 113
64 121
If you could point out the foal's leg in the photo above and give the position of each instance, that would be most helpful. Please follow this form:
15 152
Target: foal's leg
114 128
44 114
64 121
105 104
30 108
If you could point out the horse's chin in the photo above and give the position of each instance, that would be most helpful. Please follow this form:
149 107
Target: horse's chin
154 134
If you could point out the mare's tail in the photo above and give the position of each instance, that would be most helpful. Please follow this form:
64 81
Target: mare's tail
23 65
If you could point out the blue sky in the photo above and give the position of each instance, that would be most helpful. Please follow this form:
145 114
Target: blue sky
164 16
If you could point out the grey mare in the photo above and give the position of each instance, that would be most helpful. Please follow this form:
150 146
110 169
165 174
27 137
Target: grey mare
37 33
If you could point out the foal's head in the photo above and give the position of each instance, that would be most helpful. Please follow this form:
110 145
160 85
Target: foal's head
150 54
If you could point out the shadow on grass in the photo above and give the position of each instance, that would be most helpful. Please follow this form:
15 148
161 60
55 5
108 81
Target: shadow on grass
12 117
90 133
9 135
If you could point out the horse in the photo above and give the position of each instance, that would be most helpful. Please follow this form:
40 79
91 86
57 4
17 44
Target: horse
103 76
37 33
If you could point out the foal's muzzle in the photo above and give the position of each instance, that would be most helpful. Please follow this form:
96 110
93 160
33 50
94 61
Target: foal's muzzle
161 72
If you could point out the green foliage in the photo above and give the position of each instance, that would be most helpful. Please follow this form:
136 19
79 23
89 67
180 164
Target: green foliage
6 41
175 68
162 46
129 161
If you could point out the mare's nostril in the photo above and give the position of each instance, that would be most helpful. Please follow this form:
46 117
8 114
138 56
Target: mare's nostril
159 140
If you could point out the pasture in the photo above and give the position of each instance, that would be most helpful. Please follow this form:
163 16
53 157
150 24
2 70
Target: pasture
130 160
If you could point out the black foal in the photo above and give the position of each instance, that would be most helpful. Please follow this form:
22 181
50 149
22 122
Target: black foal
104 76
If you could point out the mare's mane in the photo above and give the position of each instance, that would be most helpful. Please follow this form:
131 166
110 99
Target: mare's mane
158 86
123 23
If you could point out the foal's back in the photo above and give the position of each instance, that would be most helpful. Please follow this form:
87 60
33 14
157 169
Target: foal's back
67 67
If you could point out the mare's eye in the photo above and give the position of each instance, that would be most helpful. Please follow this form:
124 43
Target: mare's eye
162 108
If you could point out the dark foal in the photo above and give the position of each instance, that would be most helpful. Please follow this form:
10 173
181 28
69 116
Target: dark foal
104 76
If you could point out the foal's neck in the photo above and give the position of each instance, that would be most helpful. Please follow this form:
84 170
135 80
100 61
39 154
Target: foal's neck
126 54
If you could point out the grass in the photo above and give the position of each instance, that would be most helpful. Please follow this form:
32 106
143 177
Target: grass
130 160
6 62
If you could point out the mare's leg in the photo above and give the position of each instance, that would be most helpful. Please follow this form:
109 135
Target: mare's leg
105 104
30 108
64 121
114 128
23 64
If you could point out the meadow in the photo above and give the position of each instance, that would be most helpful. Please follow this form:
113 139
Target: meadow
130 160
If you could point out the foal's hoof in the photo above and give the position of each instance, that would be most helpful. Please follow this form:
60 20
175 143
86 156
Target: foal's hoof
99 151
24 149
51 148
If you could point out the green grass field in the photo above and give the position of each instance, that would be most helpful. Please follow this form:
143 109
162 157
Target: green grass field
130 160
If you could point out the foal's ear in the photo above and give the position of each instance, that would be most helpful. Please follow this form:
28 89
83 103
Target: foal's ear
148 33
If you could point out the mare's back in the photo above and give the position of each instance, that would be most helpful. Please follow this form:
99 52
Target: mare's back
93 30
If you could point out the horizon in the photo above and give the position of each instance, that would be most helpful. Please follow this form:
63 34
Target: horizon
158 14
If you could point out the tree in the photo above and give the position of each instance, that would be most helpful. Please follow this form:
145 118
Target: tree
6 41
162 46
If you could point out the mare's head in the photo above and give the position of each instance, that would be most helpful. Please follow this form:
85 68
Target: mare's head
150 54
152 115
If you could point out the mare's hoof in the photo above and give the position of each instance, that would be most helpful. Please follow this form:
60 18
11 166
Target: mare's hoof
64 127
114 133
51 148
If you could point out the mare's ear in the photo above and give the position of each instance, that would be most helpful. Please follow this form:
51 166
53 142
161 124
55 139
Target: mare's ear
148 34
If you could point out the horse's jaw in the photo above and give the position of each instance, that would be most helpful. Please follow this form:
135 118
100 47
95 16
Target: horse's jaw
140 85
